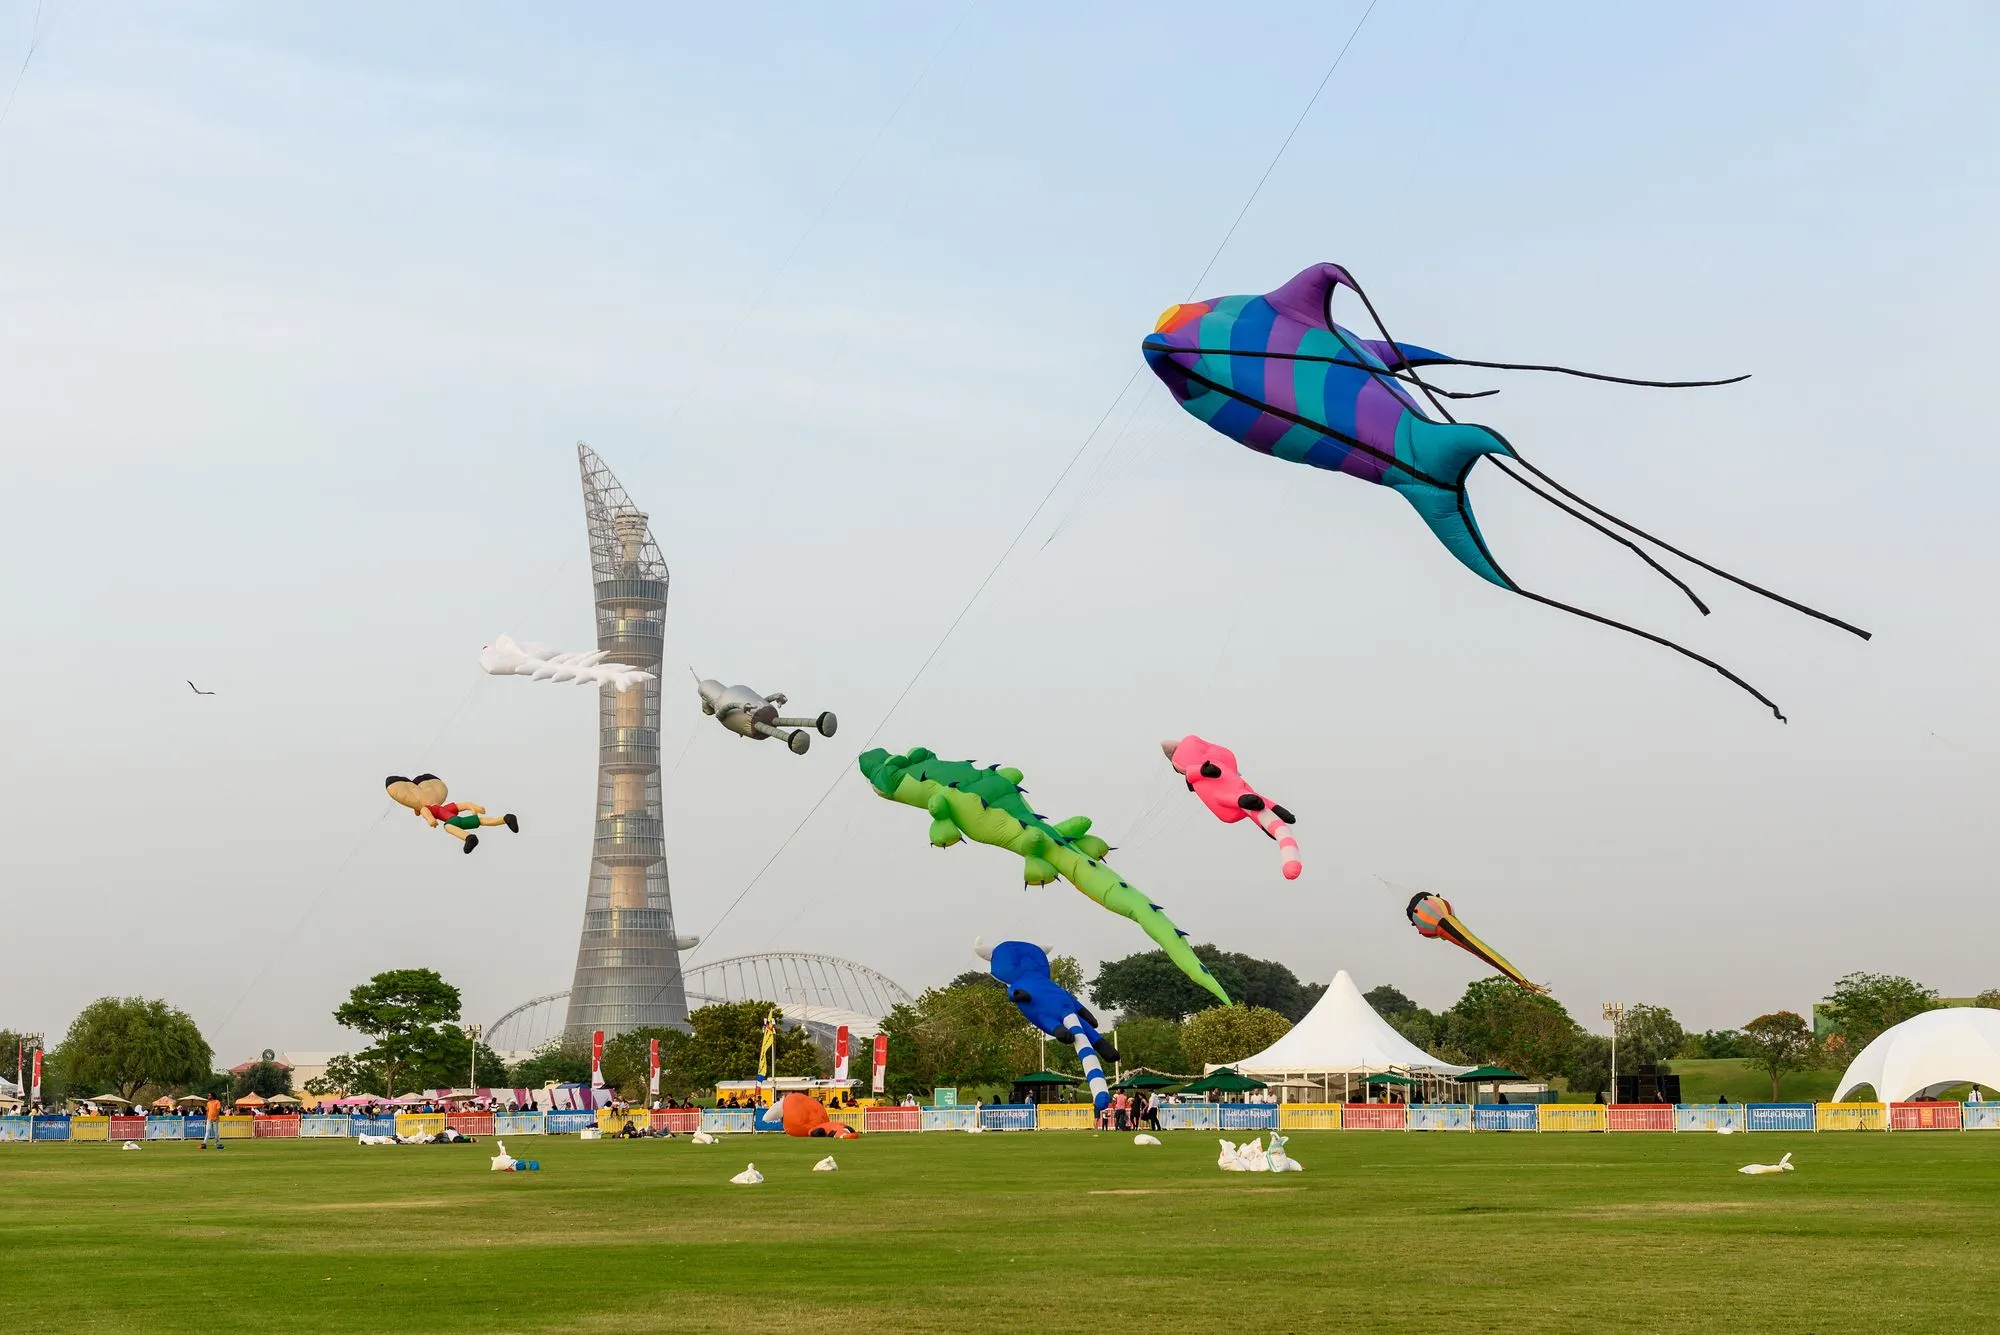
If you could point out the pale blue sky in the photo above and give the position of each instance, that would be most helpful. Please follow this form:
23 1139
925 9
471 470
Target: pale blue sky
301 314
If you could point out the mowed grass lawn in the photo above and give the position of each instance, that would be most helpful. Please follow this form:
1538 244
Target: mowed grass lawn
1008 1232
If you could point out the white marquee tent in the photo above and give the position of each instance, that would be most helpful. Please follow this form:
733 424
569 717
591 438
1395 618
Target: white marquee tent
1339 1042
1954 1046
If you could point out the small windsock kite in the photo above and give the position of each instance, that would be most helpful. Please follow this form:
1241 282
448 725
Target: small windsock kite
1431 915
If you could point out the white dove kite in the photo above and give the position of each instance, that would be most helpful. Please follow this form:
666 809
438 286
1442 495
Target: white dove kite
1783 1165
542 662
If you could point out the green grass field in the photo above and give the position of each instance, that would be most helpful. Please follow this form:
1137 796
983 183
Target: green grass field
1013 1233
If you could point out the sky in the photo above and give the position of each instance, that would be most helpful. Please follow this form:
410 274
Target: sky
302 312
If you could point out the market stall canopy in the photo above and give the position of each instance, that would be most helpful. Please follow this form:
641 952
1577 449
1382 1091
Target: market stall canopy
281 1098
109 1098
250 1101
1954 1046
1480 1075
1222 1080
1342 1035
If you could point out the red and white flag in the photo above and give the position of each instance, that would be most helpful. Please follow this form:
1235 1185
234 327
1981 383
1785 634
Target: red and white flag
881 1061
654 1083
35 1091
597 1059
840 1053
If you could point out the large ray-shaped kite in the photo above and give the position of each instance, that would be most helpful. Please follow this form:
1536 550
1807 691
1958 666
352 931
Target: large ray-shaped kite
989 806
1276 374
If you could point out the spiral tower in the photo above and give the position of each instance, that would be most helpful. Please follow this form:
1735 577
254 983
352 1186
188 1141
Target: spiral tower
628 962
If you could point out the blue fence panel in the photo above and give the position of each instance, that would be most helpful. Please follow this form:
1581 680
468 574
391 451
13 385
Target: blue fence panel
167 1128
1980 1117
371 1126
1439 1117
517 1124
562 1121
1504 1117
1189 1116
1008 1117
51 1128
1711 1116
718 1121
323 1125
1779 1117
948 1119
1248 1116
17 1128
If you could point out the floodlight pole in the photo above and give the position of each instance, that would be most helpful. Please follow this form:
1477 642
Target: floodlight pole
1614 1011
472 1033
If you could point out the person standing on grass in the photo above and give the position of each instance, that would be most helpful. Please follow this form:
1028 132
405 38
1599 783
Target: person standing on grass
213 1131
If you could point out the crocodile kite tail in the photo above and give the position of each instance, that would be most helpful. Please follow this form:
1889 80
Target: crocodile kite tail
1156 924
1288 848
1086 1052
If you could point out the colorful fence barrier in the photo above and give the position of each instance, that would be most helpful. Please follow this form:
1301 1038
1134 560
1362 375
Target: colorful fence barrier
1779 1117
90 1128
1980 1117
1189 1116
715 1121
1850 1116
276 1128
566 1121
1561 1117
470 1123
1372 1117
317 1126
1639 1117
414 1124
236 1126
169 1128
892 1119
1504 1116
1711 1117
1306 1117
949 1119
1008 1117
126 1128
524 1124
680 1121
1248 1116
51 1126
17 1128
1065 1117
1438 1117
372 1126
1926 1117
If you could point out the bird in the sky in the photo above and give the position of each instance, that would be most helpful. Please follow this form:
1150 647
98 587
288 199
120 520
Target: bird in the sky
196 689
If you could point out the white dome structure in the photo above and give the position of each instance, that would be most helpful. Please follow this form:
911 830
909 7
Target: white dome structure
1954 1046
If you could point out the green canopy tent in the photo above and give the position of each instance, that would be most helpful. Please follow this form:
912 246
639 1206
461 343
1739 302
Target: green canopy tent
1035 1086
1383 1079
1488 1075
1222 1080
1146 1080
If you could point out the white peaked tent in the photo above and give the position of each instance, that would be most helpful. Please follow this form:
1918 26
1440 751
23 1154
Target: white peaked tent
1340 1041
1955 1046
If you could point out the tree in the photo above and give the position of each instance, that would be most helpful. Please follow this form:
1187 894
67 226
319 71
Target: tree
1714 1043
1497 1022
130 1044
1779 1042
1151 984
1588 1068
262 1078
1388 1001
345 1075
1224 1034
1990 999
1152 1043
966 1035
409 1014
1648 1035
1864 1004
727 1037
557 1061
19 1048
628 1063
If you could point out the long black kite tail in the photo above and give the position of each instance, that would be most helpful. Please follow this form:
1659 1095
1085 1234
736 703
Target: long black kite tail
1619 538
1693 560
1681 649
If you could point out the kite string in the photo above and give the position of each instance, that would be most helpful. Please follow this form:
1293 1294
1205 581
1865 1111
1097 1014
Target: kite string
35 35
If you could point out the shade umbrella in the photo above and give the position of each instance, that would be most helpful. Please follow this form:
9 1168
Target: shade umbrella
250 1101
1146 1080
281 1098
1222 1080
111 1098
163 1102
1043 1080
190 1098
1488 1075
411 1100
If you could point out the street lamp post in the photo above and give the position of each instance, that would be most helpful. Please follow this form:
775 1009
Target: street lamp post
472 1034
1614 1011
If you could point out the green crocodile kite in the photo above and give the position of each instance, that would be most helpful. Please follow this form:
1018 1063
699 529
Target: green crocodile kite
987 805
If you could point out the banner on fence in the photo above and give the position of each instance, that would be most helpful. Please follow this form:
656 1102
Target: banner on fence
371 1125
724 1120
1505 1116
1247 1116
1640 1117
1065 1116
1008 1117
1927 1116
17 1128
128 1128
564 1121
1711 1117
410 1124
1779 1117
1311 1117
1189 1116
1850 1116
168 1128
1559 1117
90 1128
1369 1117
1440 1117
276 1128
892 1119
948 1119
680 1121
517 1124
317 1126
51 1126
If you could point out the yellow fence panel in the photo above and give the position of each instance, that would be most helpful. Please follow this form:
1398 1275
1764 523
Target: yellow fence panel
407 1124
610 1122
1850 1116
90 1128
1309 1117
1065 1116
236 1126
1571 1117
847 1117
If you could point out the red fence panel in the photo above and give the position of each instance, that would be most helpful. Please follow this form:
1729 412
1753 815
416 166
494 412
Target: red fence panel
1374 1117
1641 1117
127 1128
470 1123
276 1128
680 1121
891 1119
1902 1117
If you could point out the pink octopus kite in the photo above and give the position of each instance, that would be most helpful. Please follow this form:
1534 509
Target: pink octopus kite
1211 775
